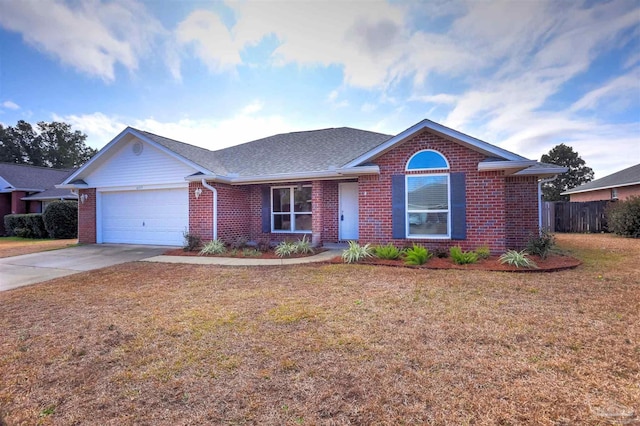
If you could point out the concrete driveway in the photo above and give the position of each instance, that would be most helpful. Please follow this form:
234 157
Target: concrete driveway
33 268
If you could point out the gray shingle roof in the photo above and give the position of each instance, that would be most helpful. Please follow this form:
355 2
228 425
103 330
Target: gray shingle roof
629 176
308 151
53 194
21 176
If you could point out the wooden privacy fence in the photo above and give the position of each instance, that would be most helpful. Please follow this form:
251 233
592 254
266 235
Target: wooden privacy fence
564 216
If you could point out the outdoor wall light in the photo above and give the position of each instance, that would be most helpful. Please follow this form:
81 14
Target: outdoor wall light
197 192
83 198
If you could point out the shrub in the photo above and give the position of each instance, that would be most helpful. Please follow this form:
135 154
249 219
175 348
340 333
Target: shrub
483 252
61 219
213 247
623 217
541 244
356 252
250 252
285 249
263 244
518 259
25 225
302 246
463 257
441 253
416 255
239 243
389 251
191 242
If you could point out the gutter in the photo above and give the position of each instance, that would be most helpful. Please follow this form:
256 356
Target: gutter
215 207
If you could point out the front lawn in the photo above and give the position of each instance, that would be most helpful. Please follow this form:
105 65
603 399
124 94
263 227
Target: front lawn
15 246
172 344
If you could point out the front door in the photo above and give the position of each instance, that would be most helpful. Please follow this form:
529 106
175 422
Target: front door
348 211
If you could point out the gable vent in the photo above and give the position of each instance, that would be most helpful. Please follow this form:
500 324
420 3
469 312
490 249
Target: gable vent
137 148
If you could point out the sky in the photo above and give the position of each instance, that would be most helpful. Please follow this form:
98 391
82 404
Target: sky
524 75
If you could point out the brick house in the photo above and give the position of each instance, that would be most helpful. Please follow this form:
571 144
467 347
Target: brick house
28 189
429 184
616 186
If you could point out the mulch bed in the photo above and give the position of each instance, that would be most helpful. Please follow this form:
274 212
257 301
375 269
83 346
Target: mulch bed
550 264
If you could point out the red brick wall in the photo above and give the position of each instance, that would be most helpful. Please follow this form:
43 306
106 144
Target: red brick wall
87 217
233 212
624 192
5 209
486 196
522 218
501 211
17 205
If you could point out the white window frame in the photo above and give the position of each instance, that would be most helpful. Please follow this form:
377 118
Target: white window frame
407 212
406 167
292 213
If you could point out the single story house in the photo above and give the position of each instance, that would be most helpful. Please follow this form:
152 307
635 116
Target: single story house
429 184
28 189
617 186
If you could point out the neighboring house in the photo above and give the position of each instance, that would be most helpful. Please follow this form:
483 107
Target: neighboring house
617 186
429 184
28 189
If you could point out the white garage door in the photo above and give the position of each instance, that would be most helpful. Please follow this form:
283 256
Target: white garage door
145 217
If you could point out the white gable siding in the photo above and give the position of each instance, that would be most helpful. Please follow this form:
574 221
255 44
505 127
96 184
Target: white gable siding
151 167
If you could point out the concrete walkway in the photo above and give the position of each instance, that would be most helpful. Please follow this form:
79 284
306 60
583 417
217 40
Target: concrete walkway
244 261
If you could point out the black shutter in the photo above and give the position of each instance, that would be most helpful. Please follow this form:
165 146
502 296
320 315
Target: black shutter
266 209
458 206
398 216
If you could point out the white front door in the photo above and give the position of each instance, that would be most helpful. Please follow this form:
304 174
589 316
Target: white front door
348 211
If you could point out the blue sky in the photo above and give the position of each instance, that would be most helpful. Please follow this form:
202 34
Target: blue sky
523 75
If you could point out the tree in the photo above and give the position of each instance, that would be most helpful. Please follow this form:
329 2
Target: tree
578 173
51 144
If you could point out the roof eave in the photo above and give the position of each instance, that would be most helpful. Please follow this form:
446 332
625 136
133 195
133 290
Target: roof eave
333 174
542 172
573 191
509 167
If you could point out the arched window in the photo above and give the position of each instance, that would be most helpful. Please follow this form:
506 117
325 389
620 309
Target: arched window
428 196
427 160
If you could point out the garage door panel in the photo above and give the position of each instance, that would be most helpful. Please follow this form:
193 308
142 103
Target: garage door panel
145 217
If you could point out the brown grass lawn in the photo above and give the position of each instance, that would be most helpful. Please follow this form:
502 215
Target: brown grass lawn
12 246
159 344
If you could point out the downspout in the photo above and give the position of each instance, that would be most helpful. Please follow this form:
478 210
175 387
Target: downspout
215 207
540 182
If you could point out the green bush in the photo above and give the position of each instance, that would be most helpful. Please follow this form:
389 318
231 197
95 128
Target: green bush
623 217
303 246
192 242
356 252
61 219
518 259
542 244
463 257
389 252
285 249
213 247
416 255
483 252
28 225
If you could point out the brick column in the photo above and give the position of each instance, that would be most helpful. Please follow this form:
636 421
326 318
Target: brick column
317 222
87 216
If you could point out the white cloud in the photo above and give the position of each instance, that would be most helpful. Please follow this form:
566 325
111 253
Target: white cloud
625 86
91 36
10 105
244 126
